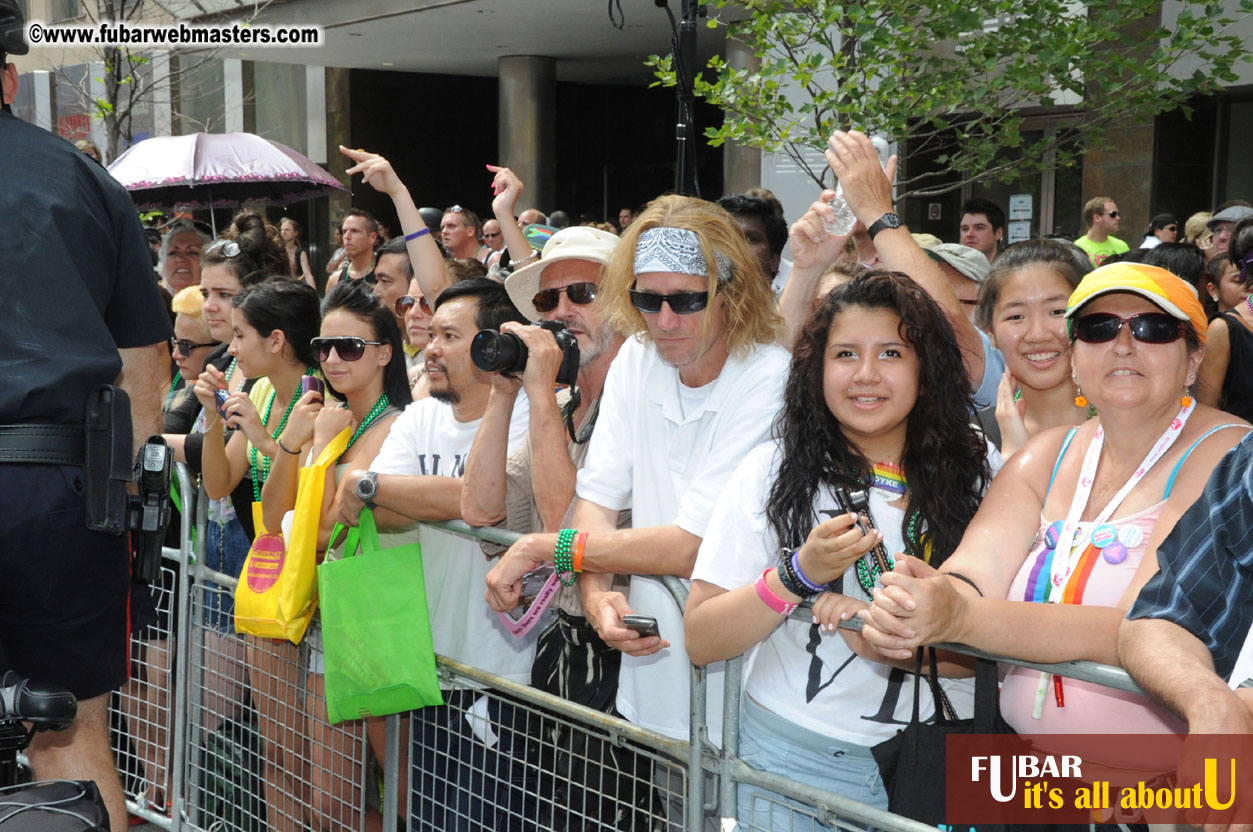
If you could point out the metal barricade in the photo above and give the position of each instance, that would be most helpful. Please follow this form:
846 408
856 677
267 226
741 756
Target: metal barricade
239 742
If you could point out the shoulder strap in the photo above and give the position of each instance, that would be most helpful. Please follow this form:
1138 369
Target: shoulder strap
1174 472
1070 435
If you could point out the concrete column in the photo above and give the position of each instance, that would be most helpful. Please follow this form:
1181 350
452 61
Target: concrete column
527 93
42 82
315 113
162 110
98 137
741 166
233 93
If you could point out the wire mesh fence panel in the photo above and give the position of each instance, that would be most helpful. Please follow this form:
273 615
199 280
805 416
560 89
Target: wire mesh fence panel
486 760
141 713
263 756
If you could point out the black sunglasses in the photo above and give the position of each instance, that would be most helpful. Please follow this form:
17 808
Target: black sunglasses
348 347
1113 214
406 302
681 303
580 293
185 347
1148 327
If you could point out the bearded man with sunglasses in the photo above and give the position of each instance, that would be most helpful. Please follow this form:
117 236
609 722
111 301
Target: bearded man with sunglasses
1101 215
686 399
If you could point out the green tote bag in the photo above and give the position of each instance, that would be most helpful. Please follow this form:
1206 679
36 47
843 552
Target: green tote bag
376 631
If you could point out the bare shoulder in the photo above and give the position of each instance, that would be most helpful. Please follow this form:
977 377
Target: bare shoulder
1208 446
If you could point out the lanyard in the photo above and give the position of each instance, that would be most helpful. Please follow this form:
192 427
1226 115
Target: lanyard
1064 559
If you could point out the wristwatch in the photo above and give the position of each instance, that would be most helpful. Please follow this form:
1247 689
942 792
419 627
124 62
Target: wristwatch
888 220
367 487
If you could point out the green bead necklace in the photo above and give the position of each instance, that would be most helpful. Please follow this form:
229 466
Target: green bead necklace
178 376
258 481
379 406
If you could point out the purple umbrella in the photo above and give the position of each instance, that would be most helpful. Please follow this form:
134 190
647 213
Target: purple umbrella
205 170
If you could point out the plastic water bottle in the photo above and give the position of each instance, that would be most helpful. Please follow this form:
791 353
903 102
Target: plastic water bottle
844 220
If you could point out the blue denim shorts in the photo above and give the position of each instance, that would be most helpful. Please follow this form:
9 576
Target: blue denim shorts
772 743
225 550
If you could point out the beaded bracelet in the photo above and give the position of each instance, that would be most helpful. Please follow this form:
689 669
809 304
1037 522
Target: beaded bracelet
790 580
561 556
796 568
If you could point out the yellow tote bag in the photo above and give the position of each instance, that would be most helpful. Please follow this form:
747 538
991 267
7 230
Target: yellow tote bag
277 591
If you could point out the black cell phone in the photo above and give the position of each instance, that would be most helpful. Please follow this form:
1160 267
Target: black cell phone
308 383
857 501
645 625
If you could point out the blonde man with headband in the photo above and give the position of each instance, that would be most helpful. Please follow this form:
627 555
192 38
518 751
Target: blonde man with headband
686 399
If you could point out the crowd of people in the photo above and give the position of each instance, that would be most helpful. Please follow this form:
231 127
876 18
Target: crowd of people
953 441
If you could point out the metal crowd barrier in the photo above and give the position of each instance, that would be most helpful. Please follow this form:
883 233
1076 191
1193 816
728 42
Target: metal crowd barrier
218 733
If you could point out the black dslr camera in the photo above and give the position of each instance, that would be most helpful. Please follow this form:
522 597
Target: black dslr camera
504 352
857 501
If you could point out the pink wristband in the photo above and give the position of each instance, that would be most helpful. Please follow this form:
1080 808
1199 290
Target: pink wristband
771 600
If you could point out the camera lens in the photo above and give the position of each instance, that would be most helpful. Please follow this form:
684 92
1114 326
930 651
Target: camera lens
498 352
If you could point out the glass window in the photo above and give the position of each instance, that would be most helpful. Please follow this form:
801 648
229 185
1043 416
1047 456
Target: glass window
1239 179
280 99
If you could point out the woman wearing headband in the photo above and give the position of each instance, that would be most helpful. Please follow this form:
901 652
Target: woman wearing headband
1226 378
1055 556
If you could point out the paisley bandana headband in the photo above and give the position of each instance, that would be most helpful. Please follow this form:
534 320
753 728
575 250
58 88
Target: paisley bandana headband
665 249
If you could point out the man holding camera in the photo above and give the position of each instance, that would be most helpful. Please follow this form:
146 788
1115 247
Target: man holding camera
531 489
81 311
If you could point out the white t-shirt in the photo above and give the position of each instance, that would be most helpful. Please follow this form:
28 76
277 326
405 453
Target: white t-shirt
800 673
669 468
426 440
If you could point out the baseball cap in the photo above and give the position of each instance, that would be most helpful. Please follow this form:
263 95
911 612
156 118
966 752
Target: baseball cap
575 243
1233 214
969 261
1171 294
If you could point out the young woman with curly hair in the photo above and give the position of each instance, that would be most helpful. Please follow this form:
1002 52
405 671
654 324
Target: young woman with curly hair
877 400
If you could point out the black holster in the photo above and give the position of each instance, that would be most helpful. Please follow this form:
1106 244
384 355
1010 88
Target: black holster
109 459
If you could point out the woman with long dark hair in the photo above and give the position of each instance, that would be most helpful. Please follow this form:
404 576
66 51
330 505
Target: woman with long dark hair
273 323
877 401
361 354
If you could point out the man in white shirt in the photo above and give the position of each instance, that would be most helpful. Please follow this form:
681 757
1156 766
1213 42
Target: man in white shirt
685 400
417 476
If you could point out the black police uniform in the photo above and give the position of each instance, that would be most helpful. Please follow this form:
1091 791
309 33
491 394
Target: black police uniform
76 285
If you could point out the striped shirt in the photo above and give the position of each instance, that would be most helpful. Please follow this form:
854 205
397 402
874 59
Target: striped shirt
1205 580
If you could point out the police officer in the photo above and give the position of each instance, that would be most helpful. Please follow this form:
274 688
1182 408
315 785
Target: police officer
79 308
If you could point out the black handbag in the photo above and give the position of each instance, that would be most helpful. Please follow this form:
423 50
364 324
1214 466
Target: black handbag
912 762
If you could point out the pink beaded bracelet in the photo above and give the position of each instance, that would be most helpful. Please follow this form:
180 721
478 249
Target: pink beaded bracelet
774 602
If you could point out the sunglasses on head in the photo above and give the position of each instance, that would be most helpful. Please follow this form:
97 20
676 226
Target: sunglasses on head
185 346
406 302
1147 327
230 248
580 293
348 348
681 303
